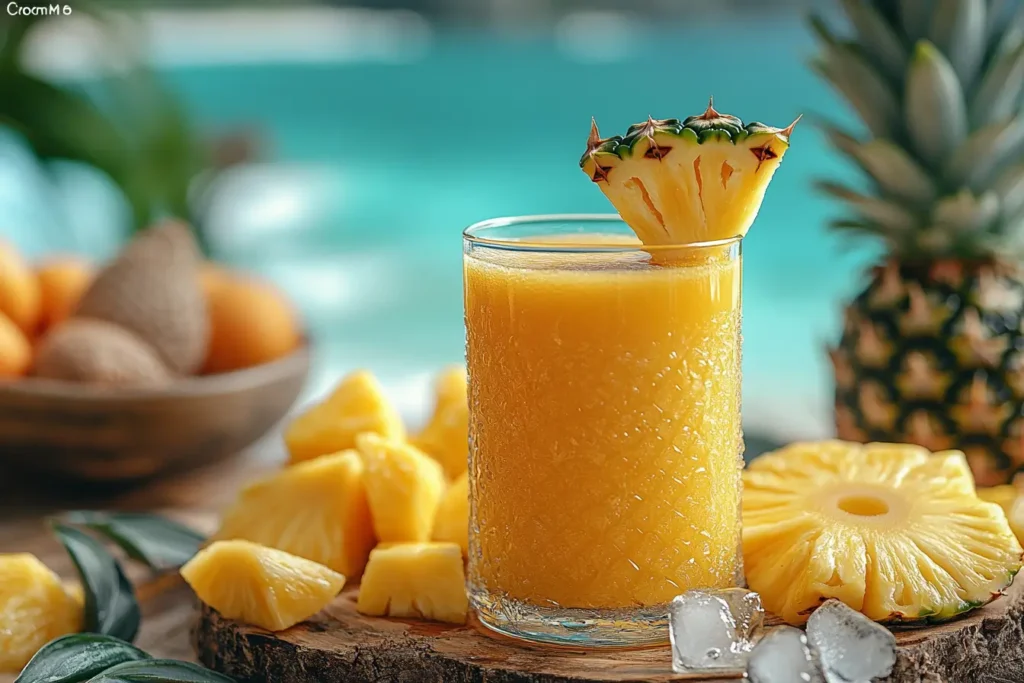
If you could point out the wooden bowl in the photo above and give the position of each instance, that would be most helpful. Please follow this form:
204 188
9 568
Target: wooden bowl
93 434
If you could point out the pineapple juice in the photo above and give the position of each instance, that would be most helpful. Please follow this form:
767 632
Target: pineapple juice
604 430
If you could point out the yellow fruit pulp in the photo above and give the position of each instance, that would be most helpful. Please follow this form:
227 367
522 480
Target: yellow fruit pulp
605 427
891 530
404 487
1009 498
446 436
260 586
317 510
415 581
34 609
452 522
357 405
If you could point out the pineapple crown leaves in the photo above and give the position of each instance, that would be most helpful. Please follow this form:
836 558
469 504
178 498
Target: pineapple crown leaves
939 88
699 129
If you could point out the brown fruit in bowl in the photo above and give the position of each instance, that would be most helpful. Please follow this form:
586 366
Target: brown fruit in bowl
153 291
62 282
15 349
19 290
98 352
251 322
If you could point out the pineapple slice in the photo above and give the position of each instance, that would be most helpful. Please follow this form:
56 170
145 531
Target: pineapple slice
891 530
446 436
34 609
316 509
357 405
1010 499
404 486
260 586
415 581
452 522
680 182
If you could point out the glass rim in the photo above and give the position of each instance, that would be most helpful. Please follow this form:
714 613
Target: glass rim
471 235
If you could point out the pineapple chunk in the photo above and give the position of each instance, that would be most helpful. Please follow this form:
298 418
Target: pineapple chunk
404 486
415 581
892 530
259 585
357 405
446 436
452 522
34 609
316 509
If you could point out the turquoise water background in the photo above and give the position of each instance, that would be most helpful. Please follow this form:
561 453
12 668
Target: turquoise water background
374 169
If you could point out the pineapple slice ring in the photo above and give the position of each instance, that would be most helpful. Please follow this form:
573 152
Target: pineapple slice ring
892 530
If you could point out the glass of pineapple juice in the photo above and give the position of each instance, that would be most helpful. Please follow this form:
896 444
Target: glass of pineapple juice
605 437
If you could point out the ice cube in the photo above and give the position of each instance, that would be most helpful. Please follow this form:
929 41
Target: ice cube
714 630
784 656
852 648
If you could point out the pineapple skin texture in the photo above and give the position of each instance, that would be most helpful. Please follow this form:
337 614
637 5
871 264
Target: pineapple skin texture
356 405
35 608
934 356
452 522
415 581
260 586
316 509
446 436
404 487
891 530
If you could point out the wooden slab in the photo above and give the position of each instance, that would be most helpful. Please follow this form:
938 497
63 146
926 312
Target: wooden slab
341 646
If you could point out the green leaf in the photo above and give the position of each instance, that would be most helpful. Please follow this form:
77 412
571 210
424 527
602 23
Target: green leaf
935 113
821 29
867 92
964 212
1010 189
891 216
983 155
160 671
915 15
1000 91
878 39
157 541
110 605
78 657
958 29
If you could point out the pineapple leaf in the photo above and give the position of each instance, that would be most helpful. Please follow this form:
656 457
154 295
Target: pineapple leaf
958 30
878 39
915 15
1000 91
964 212
936 116
1009 187
889 215
867 92
984 154
821 29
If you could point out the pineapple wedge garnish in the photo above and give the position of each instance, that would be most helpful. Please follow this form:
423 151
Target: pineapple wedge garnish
259 585
893 531
355 406
404 487
415 581
680 182
446 436
316 509
35 608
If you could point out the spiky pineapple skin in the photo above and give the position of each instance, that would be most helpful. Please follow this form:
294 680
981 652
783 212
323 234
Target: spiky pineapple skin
933 354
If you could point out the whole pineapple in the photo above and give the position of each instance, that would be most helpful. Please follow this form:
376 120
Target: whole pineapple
932 351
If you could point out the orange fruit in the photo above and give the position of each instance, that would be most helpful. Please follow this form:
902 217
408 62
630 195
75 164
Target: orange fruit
251 322
15 349
62 282
260 586
20 298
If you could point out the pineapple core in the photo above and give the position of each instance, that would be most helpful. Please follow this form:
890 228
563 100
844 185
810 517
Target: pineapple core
682 182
